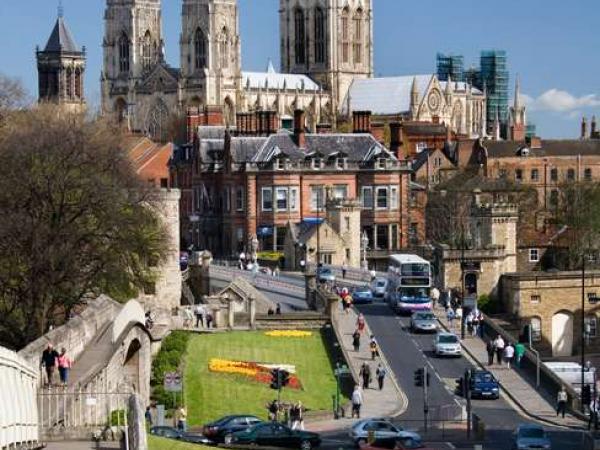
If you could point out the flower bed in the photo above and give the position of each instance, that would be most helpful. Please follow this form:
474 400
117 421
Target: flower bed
258 372
289 333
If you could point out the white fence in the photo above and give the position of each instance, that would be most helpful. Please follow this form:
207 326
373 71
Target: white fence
18 409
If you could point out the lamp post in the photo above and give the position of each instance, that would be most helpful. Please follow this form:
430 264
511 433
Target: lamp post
365 244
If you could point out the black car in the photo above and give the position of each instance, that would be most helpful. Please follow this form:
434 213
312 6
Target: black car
272 434
174 433
221 429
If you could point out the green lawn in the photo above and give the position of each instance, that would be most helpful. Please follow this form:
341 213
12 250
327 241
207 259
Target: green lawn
158 443
211 395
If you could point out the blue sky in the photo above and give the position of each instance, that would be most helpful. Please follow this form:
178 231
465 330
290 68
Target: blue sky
553 44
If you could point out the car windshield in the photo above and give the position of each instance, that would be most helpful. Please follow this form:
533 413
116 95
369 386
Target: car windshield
484 378
380 283
447 339
535 433
425 316
222 420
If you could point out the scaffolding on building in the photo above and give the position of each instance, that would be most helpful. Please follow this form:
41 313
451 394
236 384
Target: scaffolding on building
494 74
450 65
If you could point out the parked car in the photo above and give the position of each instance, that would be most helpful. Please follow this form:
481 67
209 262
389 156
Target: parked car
423 321
325 275
395 444
447 344
219 430
273 434
362 295
531 436
381 429
380 287
484 385
174 433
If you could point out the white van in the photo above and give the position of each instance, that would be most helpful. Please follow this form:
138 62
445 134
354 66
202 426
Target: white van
570 372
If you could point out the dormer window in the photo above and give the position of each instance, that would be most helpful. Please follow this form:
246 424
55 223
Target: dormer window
381 163
340 163
280 164
317 163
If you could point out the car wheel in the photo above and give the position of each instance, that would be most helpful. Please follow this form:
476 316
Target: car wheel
305 445
227 439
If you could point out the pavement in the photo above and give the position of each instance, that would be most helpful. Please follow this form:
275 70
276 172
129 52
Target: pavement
513 383
82 445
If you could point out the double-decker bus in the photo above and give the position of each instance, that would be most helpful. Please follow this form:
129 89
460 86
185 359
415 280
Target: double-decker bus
409 282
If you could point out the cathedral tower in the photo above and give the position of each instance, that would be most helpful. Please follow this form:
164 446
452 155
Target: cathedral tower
132 44
329 40
61 66
211 54
517 118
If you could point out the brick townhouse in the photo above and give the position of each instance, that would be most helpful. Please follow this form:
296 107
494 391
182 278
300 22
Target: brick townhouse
251 181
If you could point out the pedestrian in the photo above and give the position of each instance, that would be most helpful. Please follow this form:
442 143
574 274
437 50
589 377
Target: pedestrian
458 313
373 274
446 301
181 417
199 311
209 319
356 340
499 346
476 313
380 373
509 353
272 409
561 402
49 362
357 401
435 296
469 322
519 352
374 348
297 416
344 269
490 350
480 323
365 373
276 272
278 309
593 415
148 416
64 366
450 316
360 323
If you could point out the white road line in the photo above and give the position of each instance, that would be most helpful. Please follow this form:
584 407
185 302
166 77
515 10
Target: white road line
450 444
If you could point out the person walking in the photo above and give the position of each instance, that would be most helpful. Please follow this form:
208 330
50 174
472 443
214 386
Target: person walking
273 409
356 340
64 366
490 350
344 270
278 309
476 313
380 373
181 417
209 319
435 296
499 346
469 322
365 373
297 416
519 352
357 401
148 416
450 316
509 353
374 348
561 402
199 311
49 362
360 323
593 415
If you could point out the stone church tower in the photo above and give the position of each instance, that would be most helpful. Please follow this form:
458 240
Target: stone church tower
329 40
211 55
61 67
517 125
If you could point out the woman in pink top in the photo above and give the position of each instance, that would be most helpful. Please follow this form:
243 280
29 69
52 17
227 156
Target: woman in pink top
64 365
360 323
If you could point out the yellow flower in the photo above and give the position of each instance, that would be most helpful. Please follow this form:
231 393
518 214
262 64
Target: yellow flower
288 333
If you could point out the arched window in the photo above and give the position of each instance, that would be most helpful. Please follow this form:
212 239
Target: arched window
156 122
300 36
123 53
224 48
536 329
358 37
147 50
121 109
69 83
345 36
78 84
319 35
199 50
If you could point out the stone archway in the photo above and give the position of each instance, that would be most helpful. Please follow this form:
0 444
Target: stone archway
562 334
471 283
131 364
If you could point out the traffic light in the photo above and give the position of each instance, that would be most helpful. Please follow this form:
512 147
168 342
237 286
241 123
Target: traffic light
419 377
275 379
428 378
586 394
460 387
284 377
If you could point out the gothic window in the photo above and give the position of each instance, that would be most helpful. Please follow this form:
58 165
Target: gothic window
147 50
224 49
156 122
69 83
358 37
300 37
52 84
121 109
78 84
124 53
199 50
457 118
345 36
319 35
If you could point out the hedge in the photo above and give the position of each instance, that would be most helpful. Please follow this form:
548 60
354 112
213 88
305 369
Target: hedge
169 359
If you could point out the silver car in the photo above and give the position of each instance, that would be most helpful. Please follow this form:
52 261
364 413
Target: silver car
381 428
531 436
379 287
423 321
447 344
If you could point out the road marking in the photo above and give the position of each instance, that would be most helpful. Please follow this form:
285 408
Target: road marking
450 444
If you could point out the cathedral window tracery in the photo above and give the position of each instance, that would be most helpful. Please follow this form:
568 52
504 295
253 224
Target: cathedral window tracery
319 35
224 48
345 36
123 53
300 36
199 49
69 83
358 36
156 122
147 50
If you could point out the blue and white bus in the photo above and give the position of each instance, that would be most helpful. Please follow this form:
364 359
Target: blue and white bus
409 283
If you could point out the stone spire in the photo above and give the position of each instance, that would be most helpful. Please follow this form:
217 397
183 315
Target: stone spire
414 97
518 104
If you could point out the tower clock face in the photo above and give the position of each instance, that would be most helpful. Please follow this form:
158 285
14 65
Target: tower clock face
434 100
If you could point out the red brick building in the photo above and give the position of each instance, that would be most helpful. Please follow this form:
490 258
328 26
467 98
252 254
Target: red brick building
252 181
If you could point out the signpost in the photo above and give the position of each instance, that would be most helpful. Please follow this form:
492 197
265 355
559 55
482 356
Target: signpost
173 383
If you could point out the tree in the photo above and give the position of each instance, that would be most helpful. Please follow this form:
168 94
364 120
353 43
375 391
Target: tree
76 221
12 95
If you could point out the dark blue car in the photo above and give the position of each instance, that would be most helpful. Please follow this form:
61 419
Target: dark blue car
362 295
484 385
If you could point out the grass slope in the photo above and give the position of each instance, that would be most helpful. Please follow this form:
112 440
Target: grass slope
211 395
158 443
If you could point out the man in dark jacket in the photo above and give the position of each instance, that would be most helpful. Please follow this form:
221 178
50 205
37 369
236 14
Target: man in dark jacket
49 359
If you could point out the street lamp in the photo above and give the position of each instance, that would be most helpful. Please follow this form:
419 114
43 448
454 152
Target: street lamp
365 244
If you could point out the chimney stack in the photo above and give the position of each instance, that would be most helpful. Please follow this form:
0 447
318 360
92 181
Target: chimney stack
396 138
583 128
192 123
272 122
299 131
361 122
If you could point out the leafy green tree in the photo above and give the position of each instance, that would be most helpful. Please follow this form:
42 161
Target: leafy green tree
76 220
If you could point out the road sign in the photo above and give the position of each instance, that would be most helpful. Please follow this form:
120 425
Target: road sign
340 371
173 382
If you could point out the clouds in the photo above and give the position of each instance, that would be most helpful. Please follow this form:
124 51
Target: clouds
559 101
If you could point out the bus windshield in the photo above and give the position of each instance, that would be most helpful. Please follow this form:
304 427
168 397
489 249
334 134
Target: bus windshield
418 294
414 270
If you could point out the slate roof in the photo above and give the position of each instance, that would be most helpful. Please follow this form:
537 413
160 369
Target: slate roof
424 128
571 147
276 80
61 39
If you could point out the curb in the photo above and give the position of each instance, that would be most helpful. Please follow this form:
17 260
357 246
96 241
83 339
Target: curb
509 394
